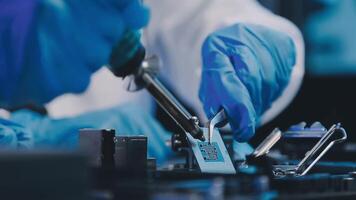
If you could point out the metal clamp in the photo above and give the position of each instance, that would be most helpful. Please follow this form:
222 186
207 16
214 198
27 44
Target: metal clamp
313 156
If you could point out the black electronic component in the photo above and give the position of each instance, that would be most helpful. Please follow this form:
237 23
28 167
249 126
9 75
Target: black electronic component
124 153
99 145
131 154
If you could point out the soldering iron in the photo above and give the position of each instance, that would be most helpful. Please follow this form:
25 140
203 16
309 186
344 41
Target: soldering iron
134 63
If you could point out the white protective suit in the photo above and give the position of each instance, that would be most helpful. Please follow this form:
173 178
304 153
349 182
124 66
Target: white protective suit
176 32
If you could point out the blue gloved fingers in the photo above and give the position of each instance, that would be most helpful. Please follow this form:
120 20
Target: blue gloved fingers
7 137
141 13
241 150
13 135
93 33
226 91
90 29
73 42
245 68
109 20
102 22
276 56
221 88
262 58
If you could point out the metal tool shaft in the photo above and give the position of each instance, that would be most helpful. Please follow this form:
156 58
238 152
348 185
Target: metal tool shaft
171 105
128 58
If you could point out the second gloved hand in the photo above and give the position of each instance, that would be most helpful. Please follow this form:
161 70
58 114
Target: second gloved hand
14 136
45 132
245 68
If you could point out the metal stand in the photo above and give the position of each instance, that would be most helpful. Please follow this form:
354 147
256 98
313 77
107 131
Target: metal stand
336 134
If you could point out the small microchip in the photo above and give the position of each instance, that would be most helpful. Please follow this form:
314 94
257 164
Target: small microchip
210 152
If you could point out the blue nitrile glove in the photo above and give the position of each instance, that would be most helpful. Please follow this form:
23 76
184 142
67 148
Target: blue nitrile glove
241 150
125 119
14 136
51 47
245 68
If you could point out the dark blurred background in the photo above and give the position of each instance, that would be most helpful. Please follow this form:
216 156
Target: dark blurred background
328 91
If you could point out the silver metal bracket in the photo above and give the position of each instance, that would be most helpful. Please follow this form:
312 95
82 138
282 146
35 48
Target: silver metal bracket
336 134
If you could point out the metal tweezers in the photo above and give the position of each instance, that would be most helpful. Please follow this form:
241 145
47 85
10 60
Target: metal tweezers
219 120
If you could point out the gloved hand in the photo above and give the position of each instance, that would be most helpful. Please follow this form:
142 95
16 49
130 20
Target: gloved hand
14 136
241 150
245 68
125 119
50 47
